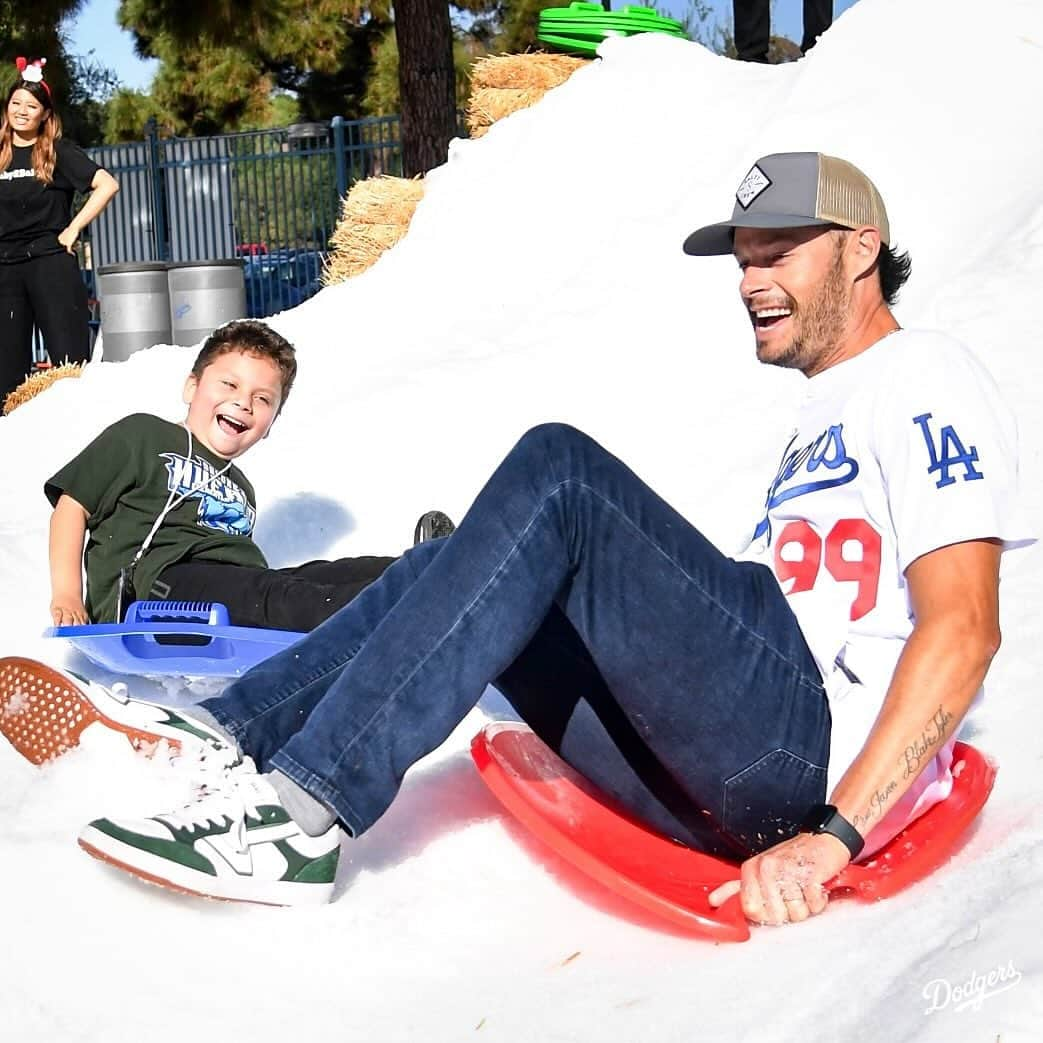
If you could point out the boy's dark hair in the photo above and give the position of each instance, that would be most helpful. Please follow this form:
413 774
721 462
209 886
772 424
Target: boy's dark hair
256 338
894 268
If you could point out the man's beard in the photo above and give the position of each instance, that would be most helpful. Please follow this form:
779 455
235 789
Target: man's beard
819 324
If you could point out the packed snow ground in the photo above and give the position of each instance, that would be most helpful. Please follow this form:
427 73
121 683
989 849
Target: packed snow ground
543 279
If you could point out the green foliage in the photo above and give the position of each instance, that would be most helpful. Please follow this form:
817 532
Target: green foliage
519 20
214 23
91 85
283 111
210 90
279 197
329 78
381 97
229 65
314 48
382 90
79 84
126 114
33 31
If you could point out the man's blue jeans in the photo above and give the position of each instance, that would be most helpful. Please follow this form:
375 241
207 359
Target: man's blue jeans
674 678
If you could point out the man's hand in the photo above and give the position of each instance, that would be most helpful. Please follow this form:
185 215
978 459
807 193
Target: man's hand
68 611
785 883
67 237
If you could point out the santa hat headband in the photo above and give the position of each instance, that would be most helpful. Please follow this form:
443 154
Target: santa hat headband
32 72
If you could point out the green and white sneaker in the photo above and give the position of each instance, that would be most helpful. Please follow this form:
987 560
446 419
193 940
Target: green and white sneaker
236 843
44 711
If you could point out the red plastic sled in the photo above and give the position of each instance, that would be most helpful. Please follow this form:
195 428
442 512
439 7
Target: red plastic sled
563 809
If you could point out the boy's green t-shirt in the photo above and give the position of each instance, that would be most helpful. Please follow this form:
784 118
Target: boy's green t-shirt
124 478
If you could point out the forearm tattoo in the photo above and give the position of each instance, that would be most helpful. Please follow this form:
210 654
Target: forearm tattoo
913 758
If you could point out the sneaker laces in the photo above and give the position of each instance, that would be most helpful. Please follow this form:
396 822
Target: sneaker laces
206 762
232 795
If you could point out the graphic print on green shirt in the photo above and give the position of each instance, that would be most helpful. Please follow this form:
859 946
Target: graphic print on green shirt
124 478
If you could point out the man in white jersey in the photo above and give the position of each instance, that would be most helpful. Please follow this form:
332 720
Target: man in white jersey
894 498
792 709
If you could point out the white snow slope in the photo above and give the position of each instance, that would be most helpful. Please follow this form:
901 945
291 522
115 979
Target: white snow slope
543 280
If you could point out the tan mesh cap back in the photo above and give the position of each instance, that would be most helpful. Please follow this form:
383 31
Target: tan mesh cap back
847 197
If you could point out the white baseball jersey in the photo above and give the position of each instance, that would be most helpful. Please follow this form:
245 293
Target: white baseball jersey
898 451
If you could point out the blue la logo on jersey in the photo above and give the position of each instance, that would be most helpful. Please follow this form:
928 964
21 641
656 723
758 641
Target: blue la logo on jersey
222 504
949 453
796 476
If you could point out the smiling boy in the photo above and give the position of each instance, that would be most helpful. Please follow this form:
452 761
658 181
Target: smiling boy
167 514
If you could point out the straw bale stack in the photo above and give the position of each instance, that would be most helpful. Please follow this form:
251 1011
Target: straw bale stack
33 385
504 83
375 215
377 211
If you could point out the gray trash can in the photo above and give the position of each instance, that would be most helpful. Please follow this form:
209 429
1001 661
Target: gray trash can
204 295
135 308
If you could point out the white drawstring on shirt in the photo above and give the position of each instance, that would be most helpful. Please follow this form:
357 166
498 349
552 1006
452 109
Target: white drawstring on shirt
174 500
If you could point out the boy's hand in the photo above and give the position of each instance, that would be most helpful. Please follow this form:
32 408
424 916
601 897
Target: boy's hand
67 612
68 530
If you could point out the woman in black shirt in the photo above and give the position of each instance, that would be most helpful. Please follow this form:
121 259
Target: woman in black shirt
40 281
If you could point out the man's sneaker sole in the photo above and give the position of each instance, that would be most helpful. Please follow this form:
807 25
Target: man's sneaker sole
43 713
170 875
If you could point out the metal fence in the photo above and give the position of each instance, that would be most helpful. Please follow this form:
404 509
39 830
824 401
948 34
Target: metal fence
271 197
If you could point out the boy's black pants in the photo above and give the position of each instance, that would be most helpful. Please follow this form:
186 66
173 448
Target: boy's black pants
47 292
296 598
753 26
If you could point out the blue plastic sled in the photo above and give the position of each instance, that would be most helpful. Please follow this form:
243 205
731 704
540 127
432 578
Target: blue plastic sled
191 638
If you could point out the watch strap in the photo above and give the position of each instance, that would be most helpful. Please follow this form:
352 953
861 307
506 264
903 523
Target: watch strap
824 818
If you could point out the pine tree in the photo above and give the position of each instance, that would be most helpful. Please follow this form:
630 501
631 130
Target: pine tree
220 60
229 55
79 84
426 82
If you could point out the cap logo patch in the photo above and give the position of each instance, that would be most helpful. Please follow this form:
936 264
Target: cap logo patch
753 184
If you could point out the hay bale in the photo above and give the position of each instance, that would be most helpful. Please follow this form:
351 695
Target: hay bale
486 105
377 211
375 215
505 83
524 71
33 385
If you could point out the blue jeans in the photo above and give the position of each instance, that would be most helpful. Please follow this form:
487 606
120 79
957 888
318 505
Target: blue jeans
675 679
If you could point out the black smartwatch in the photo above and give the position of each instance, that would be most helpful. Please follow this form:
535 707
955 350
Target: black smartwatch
824 818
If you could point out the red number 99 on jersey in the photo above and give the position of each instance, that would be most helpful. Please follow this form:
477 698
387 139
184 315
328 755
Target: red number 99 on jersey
851 554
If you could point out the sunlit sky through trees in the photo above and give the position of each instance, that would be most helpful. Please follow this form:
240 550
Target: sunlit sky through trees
96 29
